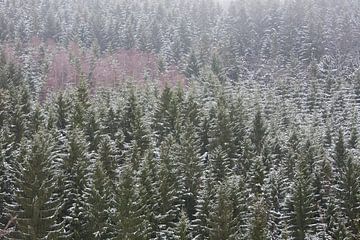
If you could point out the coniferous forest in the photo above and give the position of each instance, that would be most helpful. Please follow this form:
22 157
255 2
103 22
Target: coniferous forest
180 119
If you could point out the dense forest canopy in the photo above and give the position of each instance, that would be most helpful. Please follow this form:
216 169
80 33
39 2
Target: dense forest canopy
180 119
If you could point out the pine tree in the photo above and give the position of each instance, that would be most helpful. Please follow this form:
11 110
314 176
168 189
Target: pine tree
353 141
258 225
75 184
36 205
2 184
340 152
80 106
128 209
182 231
169 190
258 132
92 131
190 169
4 105
111 123
221 133
107 155
220 165
62 111
19 112
301 204
221 216
193 67
149 195
204 205
133 125
163 122
100 213
257 175
36 120
349 195
276 188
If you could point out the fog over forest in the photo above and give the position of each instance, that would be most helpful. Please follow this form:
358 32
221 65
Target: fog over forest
180 119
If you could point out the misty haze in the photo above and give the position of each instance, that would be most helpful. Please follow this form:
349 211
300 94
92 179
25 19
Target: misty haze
179 119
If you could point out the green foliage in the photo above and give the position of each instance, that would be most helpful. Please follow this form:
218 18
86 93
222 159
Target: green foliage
258 132
37 205
193 67
182 231
75 184
258 228
129 217
100 223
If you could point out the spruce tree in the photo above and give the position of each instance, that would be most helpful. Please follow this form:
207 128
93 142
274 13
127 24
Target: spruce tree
75 167
190 167
62 106
182 230
258 132
107 155
340 154
4 105
162 123
221 216
36 205
193 67
100 214
348 190
220 165
134 128
149 195
221 133
92 131
81 105
2 184
301 205
258 225
128 209
169 190
204 205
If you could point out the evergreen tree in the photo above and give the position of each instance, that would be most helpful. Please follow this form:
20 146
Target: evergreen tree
4 98
100 212
340 152
353 141
128 208
190 169
149 195
220 165
193 67
301 204
19 112
204 207
36 204
133 125
107 155
169 190
257 175
164 122
259 221
258 132
349 195
221 216
75 184
2 184
221 133
80 106
62 111
182 231
92 131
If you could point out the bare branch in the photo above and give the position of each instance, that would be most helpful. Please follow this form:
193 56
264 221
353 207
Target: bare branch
8 229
